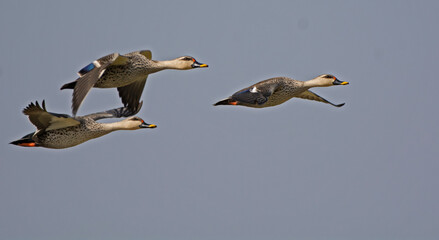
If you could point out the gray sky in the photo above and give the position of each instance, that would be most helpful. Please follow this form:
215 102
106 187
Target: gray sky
301 170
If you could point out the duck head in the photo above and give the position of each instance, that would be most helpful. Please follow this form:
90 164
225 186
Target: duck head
188 62
134 123
326 80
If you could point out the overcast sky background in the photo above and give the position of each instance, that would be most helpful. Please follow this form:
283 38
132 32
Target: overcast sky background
301 170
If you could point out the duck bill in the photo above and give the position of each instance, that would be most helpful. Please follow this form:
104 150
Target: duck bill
199 65
338 82
147 125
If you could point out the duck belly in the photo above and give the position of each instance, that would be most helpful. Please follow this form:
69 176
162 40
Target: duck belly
65 138
285 94
276 99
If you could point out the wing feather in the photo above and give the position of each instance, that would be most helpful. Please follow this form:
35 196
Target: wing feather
116 113
44 120
312 96
90 74
257 93
146 53
130 94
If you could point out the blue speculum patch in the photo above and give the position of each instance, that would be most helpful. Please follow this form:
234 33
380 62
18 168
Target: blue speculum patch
86 69
243 91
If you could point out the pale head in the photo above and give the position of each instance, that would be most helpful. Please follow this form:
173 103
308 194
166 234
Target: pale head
326 80
134 123
187 62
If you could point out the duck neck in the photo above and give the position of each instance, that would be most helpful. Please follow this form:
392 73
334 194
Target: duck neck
162 65
314 83
114 126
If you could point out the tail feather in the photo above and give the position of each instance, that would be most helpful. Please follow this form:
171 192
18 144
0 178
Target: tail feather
226 101
69 85
25 141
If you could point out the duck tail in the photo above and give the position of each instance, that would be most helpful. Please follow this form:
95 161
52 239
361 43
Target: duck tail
25 141
226 101
69 85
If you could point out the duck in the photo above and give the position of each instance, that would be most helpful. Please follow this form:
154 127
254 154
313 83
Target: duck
127 73
277 90
58 131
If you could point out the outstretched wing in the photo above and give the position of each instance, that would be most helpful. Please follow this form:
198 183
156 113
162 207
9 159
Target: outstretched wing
116 113
45 121
256 94
90 74
130 94
312 96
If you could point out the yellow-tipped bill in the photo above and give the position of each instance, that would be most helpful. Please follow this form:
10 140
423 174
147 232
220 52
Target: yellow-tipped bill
338 82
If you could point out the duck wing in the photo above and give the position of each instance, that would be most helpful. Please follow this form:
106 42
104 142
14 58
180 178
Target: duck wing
45 121
146 53
256 94
89 75
116 113
312 96
130 94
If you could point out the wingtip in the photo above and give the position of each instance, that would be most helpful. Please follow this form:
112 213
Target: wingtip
75 106
139 106
340 105
70 85
74 111
33 105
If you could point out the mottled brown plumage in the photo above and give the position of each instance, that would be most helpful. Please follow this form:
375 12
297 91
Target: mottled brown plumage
127 73
275 91
62 131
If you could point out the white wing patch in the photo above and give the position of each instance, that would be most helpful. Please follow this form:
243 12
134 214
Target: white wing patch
254 90
96 63
102 73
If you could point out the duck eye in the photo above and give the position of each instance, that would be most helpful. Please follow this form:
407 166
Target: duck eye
187 59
